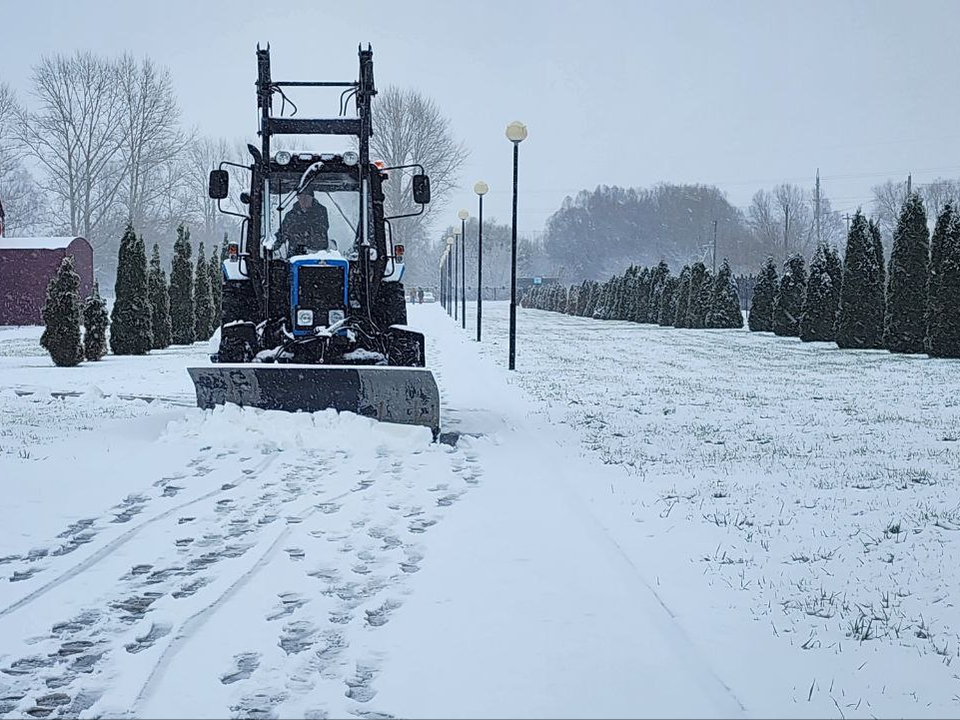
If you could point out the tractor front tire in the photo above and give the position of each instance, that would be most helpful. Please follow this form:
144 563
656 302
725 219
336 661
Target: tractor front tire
391 305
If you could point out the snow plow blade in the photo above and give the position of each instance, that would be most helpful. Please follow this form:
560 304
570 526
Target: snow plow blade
406 395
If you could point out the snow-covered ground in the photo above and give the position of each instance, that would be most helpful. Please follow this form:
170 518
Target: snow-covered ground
638 522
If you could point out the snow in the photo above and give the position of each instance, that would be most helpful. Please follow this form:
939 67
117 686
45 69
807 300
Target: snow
319 255
639 521
35 243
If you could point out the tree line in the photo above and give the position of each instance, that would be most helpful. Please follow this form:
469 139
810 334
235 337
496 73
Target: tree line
909 305
148 313
599 232
99 143
695 299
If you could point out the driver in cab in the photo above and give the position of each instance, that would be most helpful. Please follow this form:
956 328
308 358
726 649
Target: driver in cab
304 227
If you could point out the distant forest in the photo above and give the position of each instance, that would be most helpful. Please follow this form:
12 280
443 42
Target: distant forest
599 233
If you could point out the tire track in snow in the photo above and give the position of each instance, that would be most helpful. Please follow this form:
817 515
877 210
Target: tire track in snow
118 542
195 622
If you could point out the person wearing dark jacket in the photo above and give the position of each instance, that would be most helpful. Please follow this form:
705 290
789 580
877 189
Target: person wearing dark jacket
304 227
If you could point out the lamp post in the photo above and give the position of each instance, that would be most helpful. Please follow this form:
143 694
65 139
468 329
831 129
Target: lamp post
456 276
449 274
480 189
463 215
516 133
443 278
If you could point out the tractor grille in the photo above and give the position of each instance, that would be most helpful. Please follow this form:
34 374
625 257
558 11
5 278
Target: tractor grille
320 288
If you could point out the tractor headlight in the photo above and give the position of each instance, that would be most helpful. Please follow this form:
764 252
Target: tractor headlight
304 317
282 157
334 316
350 158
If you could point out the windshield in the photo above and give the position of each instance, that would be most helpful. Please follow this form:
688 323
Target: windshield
324 217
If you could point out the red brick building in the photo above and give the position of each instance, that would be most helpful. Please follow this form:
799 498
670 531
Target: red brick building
26 266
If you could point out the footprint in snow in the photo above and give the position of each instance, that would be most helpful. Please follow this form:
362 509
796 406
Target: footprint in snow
359 686
246 664
156 632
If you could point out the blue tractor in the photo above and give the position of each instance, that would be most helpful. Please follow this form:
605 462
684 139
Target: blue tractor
314 311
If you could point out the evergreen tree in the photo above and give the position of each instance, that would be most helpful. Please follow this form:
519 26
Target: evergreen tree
593 294
878 275
668 301
788 302
629 309
658 279
159 302
182 315
571 305
835 271
202 298
724 309
696 306
943 303
216 291
96 320
683 299
705 298
860 315
130 332
760 318
642 310
905 325
61 316
819 314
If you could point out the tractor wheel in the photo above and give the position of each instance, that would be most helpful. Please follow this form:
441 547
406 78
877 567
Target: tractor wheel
391 305
238 334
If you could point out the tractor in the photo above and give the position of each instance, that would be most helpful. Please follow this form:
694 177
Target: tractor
314 313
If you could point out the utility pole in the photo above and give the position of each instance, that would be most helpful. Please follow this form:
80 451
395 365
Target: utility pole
909 184
786 232
847 218
817 203
714 247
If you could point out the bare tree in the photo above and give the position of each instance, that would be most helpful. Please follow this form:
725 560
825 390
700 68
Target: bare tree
9 150
21 197
937 194
832 227
888 199
763 224
76 135
409 128
152 139
795 219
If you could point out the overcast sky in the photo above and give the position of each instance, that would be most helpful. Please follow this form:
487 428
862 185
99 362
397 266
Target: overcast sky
741 94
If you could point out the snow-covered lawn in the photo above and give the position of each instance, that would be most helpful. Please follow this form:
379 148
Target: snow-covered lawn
808 492
638 522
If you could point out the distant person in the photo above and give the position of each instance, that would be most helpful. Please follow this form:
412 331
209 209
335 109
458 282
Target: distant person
420 295
304 227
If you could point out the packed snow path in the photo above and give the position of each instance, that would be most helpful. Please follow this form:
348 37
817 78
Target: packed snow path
604 539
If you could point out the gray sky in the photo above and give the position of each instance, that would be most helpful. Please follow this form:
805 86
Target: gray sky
740 94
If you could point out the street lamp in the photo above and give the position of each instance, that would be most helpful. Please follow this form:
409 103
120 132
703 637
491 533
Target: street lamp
443 278
463 215
456 275
449 274
516 133
480 189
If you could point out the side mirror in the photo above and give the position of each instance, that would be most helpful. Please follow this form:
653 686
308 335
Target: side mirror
219 184
421 189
